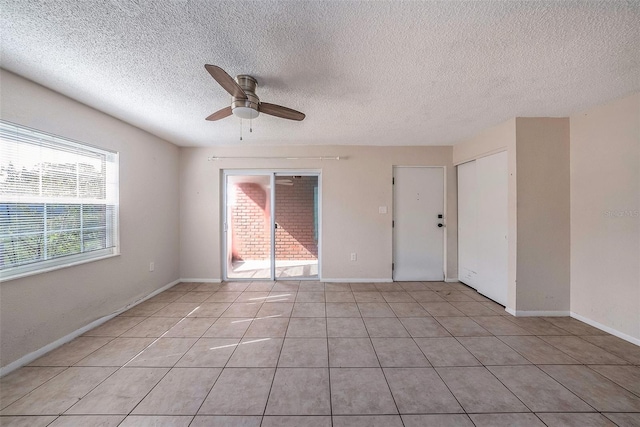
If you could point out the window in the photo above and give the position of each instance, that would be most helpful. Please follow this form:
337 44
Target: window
58 202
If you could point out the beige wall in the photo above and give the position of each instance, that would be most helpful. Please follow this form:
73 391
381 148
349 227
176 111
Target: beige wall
538 204
493 140
352 191
542 146
40 309
605 222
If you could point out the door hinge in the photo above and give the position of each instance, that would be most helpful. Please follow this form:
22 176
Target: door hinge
393 266
393 224
393 181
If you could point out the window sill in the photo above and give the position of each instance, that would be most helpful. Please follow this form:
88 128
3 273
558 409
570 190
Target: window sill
8 275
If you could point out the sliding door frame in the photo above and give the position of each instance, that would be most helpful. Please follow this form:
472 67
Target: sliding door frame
272 174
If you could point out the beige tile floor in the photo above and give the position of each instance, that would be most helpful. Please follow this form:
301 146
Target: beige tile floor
335 354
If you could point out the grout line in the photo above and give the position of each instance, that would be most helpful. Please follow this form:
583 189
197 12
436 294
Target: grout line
106 378
230 356
434 367
275 370
326 322
170 368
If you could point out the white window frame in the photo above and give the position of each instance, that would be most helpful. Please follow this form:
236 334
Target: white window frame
111 200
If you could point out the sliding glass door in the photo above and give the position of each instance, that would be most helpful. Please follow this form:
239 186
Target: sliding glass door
248 226
271 225
296 226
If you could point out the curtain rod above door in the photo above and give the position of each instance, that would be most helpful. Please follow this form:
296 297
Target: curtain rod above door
216 158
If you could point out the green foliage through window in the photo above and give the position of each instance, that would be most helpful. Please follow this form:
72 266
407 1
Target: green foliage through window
57 197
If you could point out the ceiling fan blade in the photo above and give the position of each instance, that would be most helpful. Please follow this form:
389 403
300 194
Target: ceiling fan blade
226 81
220 114
280 111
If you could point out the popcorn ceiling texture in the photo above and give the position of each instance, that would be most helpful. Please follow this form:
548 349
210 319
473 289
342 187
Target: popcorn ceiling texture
375 73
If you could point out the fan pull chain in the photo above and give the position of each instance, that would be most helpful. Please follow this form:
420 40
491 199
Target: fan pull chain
250 125
240 129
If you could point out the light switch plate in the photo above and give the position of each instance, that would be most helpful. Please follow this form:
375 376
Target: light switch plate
382 209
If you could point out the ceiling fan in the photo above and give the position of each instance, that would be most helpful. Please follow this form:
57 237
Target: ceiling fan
245 103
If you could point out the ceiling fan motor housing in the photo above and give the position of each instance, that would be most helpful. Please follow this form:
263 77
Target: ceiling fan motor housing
246 108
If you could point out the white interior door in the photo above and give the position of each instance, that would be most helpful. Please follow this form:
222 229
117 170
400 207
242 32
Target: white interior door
492 249
418 241
468 224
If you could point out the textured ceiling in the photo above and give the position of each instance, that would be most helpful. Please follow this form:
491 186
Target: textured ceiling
378 73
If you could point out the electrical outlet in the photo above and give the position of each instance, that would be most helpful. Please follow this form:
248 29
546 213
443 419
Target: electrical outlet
354 256
152 266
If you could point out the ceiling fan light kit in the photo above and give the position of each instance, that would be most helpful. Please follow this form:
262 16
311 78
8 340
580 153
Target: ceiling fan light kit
245 104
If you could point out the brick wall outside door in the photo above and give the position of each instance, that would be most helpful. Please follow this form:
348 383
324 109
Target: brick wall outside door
295 216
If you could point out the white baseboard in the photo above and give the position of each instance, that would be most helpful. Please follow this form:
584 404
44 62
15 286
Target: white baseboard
452 280
28 358
538 313
614 332
605 328
357 280
348 280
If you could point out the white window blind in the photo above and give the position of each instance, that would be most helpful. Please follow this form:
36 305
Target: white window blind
58 202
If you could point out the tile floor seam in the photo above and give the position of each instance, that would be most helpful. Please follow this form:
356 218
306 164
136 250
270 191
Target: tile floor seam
610 379
382 369
35 388
227 361
205 397
156 340
576 336
464 411
326 324
124 366
148 392
76 363
85 395
123 332
605 377
170 368
532 362
507 388
167 373
275 370
599 346
571 391
567 389
419 348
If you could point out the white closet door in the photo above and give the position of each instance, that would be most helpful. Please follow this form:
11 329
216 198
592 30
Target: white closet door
492 220
467 224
